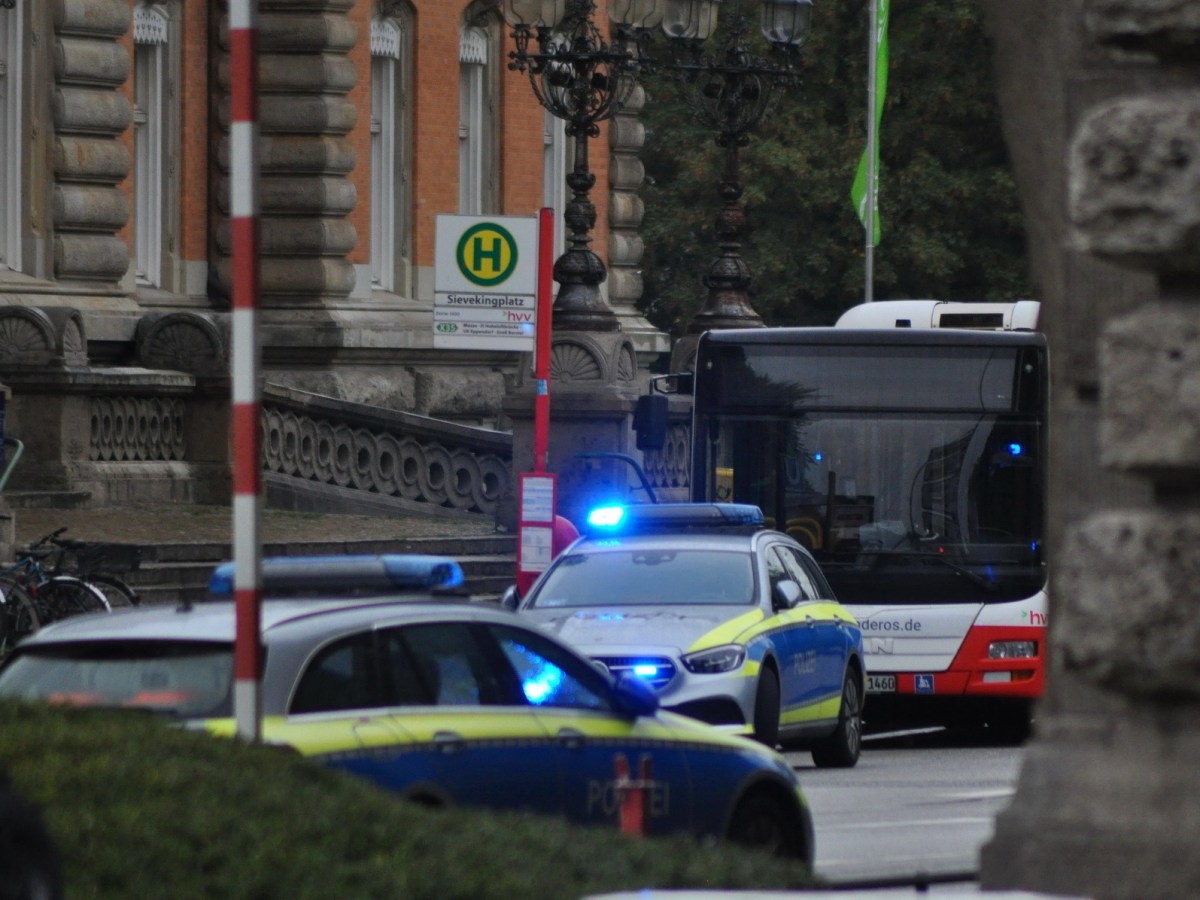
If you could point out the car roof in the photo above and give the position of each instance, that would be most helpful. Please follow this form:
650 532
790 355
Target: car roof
214 621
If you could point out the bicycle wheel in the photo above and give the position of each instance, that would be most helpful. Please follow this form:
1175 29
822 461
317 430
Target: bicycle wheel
18 615
66 595
115 591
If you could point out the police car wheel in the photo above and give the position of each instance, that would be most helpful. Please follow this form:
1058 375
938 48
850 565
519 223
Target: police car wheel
766 708
842 748
762 822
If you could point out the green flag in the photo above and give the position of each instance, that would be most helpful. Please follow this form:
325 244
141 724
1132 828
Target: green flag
858 192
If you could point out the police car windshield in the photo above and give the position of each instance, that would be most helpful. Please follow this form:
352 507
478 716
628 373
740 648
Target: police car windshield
645 576
185 678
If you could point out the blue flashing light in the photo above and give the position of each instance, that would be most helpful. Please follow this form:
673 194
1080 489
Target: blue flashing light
645 670
1015 449
606 516
347 574
660 517
818 456
542 686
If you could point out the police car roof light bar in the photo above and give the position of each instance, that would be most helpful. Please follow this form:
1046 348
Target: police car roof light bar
649 517
353 573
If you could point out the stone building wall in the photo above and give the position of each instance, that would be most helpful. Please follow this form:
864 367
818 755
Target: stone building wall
77 313
1101 106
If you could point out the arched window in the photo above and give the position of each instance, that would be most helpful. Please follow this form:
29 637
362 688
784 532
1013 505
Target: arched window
11 198
479 61
151 187
391 151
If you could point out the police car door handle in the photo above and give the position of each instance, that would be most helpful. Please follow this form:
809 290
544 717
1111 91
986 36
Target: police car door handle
810 621
448 741
571 738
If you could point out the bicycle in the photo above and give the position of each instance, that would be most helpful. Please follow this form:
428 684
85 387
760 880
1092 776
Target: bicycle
99 564
32 596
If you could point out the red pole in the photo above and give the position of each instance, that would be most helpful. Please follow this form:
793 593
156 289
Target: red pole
541 368
631 795
247 394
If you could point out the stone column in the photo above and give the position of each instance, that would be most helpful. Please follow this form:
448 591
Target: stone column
593 389
626 175
90 161
304 118
1108 801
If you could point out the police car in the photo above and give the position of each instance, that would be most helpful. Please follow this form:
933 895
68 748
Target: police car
440 700
730 622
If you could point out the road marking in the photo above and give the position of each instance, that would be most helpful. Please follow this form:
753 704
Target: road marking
988 794
918 823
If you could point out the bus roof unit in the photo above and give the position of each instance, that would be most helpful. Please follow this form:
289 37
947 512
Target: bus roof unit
1017 315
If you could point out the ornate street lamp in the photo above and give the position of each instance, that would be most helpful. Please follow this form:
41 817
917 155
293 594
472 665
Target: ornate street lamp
582 79
732 91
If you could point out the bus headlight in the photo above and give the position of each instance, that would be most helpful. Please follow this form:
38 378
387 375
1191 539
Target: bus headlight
1012 649
725 658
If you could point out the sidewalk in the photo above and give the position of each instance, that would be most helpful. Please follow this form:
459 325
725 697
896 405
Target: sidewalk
184 524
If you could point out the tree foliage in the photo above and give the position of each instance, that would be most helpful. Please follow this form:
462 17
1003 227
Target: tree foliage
952 228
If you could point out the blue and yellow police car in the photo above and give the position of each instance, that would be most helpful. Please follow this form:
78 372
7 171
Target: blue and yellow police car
729 621
443 701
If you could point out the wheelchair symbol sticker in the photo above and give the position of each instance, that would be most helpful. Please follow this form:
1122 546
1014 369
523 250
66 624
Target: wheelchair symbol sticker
924 684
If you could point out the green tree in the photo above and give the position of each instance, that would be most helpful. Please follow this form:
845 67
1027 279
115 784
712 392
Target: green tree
952 227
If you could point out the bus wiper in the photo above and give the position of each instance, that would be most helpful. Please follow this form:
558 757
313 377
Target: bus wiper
869 559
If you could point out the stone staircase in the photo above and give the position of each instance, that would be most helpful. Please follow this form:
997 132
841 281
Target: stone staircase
175 572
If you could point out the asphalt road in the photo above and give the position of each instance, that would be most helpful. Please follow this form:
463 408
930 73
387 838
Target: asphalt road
918 806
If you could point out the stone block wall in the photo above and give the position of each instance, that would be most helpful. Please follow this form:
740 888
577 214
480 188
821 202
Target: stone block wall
1100 99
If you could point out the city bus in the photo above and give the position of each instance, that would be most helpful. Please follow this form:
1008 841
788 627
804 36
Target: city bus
906 448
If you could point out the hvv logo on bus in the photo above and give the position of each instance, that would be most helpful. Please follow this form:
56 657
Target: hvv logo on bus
485 283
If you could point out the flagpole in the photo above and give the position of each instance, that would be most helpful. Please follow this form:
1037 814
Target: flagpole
869 218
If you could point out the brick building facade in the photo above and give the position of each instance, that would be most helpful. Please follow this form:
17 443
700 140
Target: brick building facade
375 116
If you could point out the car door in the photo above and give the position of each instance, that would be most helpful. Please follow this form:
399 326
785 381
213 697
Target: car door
475 737
793 631
827 648
575 704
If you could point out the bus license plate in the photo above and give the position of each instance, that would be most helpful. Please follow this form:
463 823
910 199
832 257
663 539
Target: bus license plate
881 684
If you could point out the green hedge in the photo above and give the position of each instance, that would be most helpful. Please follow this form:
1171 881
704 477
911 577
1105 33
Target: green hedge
142 810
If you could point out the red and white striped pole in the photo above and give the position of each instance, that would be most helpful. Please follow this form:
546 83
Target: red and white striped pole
247 393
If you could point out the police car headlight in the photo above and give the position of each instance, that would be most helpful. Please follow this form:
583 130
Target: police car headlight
1012 649
725 658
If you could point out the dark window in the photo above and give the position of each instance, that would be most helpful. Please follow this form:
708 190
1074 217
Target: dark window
341 676
549 676
455 667
776 571
407 684
804 575
181 678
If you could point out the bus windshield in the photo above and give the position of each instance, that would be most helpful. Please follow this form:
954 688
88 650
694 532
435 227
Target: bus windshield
918 484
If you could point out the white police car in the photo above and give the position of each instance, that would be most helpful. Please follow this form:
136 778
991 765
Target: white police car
730 622
440 700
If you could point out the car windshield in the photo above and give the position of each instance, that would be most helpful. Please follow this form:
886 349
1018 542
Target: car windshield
186 679
644 576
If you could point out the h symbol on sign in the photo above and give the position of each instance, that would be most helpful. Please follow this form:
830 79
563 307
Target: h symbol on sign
492 254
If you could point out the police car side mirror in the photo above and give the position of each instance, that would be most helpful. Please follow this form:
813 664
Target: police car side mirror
785 594
510 599
634 697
